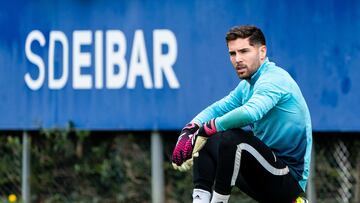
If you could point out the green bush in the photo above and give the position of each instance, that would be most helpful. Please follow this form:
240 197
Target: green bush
10 167
69 166
80 166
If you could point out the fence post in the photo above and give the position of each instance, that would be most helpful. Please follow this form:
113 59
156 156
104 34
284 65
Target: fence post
311 190
157 171
25 182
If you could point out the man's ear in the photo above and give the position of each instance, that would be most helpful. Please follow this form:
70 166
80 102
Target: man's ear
262 52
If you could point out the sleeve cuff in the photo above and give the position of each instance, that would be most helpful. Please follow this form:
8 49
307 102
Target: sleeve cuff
218 125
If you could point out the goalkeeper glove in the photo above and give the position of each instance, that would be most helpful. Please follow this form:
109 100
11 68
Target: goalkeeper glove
208 129
182 152
190 142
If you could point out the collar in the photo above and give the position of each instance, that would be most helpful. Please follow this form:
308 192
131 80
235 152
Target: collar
259 72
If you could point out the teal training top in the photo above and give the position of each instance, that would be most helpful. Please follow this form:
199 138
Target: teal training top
272 104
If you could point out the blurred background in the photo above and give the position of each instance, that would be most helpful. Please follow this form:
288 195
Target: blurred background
93 94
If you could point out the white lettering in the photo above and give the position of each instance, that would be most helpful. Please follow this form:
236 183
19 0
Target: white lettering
115 58
99 59
139 65
35 59
164 62
81 60
53 82
107 50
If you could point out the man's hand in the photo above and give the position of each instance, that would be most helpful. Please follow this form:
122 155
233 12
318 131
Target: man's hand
190 142
182 154
208 129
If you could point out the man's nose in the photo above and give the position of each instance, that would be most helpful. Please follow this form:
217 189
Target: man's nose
238 58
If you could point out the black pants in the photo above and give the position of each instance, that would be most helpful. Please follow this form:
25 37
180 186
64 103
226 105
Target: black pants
238 158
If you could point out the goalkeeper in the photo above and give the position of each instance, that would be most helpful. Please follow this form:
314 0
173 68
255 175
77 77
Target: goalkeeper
271 162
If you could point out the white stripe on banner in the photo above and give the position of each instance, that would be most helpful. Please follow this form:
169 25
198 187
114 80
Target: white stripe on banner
259 158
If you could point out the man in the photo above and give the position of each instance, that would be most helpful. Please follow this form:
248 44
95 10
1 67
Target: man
271 163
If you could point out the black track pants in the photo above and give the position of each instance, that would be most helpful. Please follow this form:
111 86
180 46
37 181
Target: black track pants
237 158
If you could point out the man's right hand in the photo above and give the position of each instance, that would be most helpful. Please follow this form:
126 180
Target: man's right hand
187 142
191 140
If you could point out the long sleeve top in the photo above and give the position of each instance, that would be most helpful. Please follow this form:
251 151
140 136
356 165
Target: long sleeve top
271 103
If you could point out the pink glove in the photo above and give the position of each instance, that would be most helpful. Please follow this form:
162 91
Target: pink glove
183 149
208 129
190 142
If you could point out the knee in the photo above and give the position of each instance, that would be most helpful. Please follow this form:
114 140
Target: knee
231 138
227 143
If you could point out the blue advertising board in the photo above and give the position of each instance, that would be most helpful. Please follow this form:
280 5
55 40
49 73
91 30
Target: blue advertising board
153 65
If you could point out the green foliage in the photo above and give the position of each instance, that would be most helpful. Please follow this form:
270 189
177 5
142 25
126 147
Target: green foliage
78 166
178 185
10 167
81 166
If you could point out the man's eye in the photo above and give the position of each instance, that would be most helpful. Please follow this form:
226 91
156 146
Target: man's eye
232 53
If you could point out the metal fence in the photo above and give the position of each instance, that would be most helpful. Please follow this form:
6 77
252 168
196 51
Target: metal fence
68 166
337 169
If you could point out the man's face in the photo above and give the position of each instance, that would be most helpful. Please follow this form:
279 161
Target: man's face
245 58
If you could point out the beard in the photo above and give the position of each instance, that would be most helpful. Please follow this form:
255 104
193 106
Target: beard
245 72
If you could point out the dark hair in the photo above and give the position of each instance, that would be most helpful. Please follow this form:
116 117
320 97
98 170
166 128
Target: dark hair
256 37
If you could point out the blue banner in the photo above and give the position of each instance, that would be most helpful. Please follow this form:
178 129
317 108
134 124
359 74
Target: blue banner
153 65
